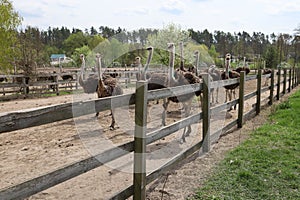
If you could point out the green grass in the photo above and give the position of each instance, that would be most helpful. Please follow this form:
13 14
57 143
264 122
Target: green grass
267 166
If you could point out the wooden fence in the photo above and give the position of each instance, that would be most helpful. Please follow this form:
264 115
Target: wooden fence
288 78
38 84
52 83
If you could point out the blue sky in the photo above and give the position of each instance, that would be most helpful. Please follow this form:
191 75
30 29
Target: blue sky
267 16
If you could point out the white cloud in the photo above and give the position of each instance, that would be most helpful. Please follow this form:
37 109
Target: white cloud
276 7
132 11
173 6
256 15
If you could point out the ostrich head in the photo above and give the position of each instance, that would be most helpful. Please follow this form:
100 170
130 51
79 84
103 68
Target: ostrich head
227 62
137 61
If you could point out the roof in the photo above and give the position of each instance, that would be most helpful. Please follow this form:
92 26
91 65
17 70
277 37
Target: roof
56 56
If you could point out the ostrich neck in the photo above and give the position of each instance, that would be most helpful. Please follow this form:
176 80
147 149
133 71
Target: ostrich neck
227 67
102 92
171 66
147 65
81 81
181 57
196 64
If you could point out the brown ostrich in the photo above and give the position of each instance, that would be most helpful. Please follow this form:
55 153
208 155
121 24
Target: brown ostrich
106 88
228 74
243 68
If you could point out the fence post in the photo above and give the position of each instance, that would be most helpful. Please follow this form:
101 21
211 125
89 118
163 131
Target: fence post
77 79
290 80
278 83
258 97
139 174
272 87
293 77
206 114
241 100
297 76
56 84
284 81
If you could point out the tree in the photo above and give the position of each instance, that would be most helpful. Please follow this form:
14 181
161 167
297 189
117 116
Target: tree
271 57
9 21
75 40
169 34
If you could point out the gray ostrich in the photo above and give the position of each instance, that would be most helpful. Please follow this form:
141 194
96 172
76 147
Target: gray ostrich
104 88
159 81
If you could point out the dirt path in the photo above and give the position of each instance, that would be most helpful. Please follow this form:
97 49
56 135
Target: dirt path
31 152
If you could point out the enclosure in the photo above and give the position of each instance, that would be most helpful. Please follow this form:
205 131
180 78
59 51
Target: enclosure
49 149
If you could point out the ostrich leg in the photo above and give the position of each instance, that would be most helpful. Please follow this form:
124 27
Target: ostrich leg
112 126
187 111
165 107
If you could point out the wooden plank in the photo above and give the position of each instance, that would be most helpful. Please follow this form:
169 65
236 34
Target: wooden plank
264 89
139 167
229 126
258 97
241 100
171 91
224 106
169 129
250 95
222 83
39 116
206 113
249 78
53 178
174 162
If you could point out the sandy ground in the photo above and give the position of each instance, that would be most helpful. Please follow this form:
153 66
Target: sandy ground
31 152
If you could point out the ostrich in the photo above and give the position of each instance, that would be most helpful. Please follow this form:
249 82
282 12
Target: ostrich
267 71
91 83
106 88
159 81
66 77
230 89
3 79
215 74
243 68
184 78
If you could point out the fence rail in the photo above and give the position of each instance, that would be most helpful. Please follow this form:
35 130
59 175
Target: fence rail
38 116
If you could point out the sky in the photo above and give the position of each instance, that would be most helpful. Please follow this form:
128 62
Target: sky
266 16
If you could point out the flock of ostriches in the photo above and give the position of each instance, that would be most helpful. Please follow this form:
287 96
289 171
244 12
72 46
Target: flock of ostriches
106 86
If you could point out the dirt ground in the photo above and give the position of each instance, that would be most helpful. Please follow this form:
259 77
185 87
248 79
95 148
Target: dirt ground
31 152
